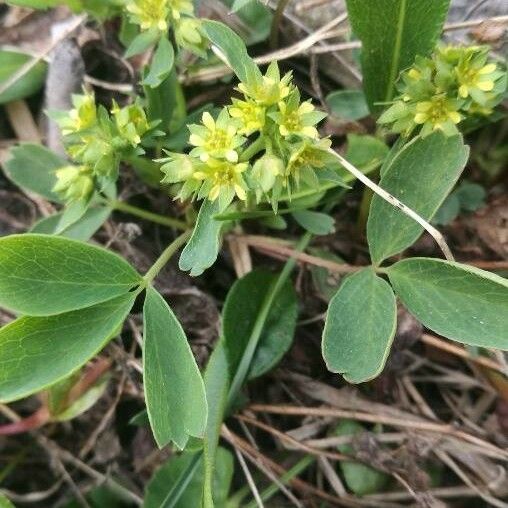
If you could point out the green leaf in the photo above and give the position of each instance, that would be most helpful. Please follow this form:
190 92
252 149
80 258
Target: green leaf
35 4
256 19
471 196
392 34
162 63
27 84
360 479
72 213
316 223
171 472
203 247
166 104
360 326
36 352
32 167
240 4
348 104
460 302
42 275
5 503
241 308
448 211
364 151
82 230
217 383
421 175
233 48
174 389
142 42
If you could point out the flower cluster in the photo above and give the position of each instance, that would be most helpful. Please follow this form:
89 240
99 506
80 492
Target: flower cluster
441 91
158 16
96 141
264 144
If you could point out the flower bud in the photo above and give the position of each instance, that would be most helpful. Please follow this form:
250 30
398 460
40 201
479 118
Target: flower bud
266 170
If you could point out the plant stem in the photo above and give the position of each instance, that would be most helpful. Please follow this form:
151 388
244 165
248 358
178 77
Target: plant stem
122 206
257 330
253 149
274 29
165 257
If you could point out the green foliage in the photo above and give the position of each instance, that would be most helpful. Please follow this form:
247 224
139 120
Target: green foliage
162 63
241 309
421 175
32 167
177 467
29 83
316 223
360 326
178 412
203 247
5 503
256 19
467 197
393 34
348 104
460 302
36 352
83 229
360 478
67 275
233 49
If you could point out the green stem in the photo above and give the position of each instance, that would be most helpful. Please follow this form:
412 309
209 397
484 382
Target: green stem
165 257
259 324
291 473
253 149
121 206
277 17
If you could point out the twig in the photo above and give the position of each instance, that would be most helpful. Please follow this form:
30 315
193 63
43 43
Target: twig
438 237
421 425
246 471
447 346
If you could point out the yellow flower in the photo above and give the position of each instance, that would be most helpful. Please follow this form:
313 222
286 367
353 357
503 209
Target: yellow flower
474 78
83 116
271 89
438 113
250 115
222 180
215 139
131 122
296 118
149 14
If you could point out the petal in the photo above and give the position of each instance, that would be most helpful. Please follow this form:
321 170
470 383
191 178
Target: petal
196 140
488 69
310 131
240 192
423 106
208 121
305 107
463 91
421 118
485 86
231 156
214 193
454 116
